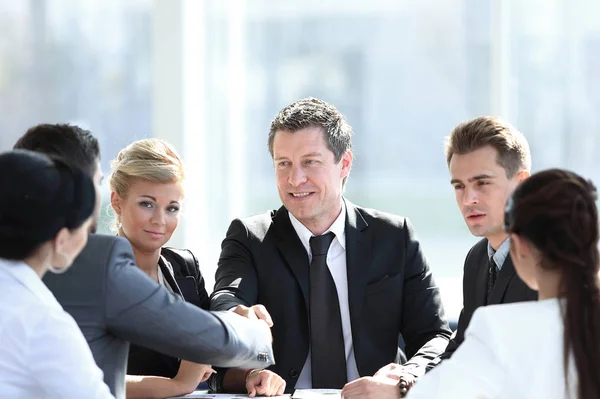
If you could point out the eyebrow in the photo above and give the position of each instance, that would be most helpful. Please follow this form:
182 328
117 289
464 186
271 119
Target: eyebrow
474 178
311 154
154 199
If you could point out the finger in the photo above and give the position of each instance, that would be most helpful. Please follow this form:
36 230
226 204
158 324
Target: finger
265 384
262 313
250 389
281 389
351 390
387 368
391 376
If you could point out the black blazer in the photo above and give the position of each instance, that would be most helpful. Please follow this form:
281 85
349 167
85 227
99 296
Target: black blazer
189 284
390 288
508 288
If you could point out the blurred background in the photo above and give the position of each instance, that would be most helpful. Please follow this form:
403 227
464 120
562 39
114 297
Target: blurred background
208 76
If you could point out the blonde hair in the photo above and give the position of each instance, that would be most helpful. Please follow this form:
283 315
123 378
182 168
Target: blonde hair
152 160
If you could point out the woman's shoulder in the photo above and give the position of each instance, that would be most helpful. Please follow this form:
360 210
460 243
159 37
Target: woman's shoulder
516 321
183 261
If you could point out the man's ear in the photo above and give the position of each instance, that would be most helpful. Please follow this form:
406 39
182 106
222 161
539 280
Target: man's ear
346 163
522 175
115 202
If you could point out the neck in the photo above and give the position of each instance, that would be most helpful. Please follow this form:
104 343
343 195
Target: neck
39 262
318 226
548 282
147 261
497 240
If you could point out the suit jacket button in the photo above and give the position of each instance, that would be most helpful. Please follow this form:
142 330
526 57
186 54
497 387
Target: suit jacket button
294 373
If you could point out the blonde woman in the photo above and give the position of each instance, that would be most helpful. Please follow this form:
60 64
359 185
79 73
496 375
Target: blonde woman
147 193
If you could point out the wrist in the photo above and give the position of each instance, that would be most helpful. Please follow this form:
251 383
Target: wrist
251 373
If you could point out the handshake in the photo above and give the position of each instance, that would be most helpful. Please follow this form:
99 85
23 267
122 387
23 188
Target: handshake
256 312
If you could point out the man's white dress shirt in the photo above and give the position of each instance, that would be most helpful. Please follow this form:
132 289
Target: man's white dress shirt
336 261
43 353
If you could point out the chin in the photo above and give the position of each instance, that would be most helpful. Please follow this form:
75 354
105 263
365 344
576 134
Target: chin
476 231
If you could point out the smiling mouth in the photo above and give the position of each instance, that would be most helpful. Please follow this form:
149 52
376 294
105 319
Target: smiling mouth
300 195
154 233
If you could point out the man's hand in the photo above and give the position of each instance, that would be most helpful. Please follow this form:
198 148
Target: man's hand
371 388
264 382
191 374
398 373
254 312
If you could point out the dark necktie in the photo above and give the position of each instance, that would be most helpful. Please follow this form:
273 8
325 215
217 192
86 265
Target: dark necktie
328 357
491 281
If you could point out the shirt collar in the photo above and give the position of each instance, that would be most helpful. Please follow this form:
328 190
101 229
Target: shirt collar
338 228
501 254
27 277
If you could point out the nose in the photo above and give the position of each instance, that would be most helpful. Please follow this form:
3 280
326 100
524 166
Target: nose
158 217
296 176
470 197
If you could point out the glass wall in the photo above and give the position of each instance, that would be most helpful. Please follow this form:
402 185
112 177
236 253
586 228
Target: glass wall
404 73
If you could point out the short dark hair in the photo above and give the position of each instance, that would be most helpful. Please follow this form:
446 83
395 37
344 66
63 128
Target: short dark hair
74 145
312 112
511 145
39 197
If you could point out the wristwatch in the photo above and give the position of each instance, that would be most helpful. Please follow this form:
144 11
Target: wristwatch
403 386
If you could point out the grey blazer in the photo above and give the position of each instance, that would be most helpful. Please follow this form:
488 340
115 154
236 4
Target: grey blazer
115 303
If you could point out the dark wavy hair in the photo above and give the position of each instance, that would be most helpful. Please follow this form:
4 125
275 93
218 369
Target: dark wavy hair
39 197
556 211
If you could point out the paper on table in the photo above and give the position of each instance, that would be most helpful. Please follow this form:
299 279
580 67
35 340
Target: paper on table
205 395
317 393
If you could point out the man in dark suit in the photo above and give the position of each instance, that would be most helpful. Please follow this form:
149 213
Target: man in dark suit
114 302
487 159
340 282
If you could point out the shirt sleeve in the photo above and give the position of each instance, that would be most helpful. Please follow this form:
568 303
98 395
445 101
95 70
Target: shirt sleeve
60 360
473 371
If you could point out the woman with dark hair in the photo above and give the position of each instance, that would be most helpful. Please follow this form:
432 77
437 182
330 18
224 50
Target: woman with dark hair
45 214
554 351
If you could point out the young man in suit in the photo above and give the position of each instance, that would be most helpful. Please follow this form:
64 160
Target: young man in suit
114 302
340 282
487 159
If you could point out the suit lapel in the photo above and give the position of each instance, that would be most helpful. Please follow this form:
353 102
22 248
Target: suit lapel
504 278
167 271
358 258
292 250
481 278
